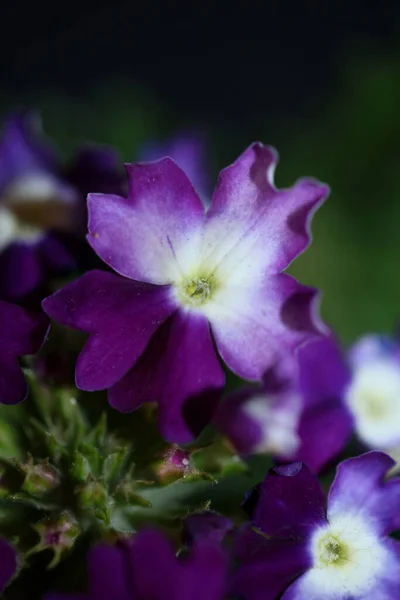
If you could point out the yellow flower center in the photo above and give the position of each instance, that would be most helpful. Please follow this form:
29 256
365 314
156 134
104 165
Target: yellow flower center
332 552
196 291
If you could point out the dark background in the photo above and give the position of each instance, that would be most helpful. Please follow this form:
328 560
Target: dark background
319 80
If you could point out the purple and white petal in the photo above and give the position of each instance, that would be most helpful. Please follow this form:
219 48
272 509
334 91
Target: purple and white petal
258 422
253 325
291 502
149 236
254 228
360 489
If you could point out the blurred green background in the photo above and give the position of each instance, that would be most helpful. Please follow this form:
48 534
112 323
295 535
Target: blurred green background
349 138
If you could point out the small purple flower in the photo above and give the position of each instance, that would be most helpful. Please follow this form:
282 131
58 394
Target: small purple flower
344 395
303 550
189 150
185 270
262 420
147 567
21 333
34 198
8 564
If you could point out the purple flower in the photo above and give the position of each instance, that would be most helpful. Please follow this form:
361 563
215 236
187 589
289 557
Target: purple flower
21 333
189 150
185 270
147 567
304 550
265 419
33 199
8 564
341 395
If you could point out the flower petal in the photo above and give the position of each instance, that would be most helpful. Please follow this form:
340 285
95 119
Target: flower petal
268 568
121 315
180 370
8 564
324 374
13 385
251 226
206 526
189 150
291 502
21 271
323 432
144 237
21 331
360 488
253 326
105 561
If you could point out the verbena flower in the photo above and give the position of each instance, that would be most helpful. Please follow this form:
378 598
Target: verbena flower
187 272
21 333
43 205
304 550
147 567
264 419
33 197
344 394
8 564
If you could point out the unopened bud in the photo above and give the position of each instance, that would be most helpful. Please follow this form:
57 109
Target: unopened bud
80 467
175 465
40 477
93 497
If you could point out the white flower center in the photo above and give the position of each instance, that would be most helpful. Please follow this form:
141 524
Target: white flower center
30 205
347 558
278 423
374 399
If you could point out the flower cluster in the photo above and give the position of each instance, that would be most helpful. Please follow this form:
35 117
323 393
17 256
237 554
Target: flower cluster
172 291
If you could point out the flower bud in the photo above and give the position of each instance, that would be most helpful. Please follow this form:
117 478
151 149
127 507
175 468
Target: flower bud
93 497
40 478
58 534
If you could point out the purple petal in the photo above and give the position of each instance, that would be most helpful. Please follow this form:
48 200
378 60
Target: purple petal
152 226
121 315
201 575
360 488
151 552
324 432
324 374
21 150
13 385
254 325
55 254
268 568
96 169
8 564
206 526
189 150
108 576
243 431
21 331
277 222
181 371
291 502
21 270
